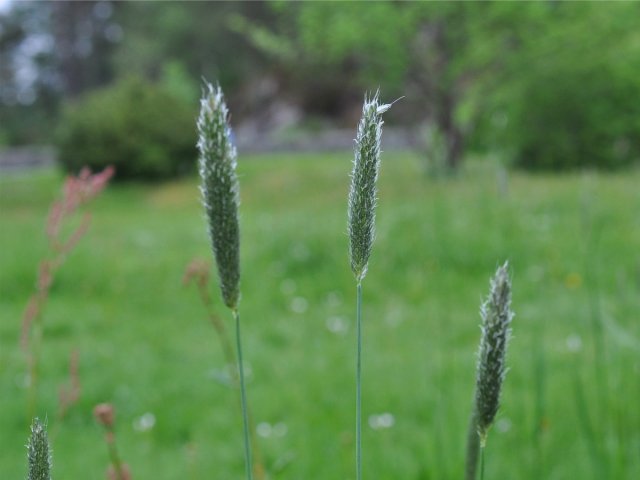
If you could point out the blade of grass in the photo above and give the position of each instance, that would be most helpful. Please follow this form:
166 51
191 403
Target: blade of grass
359 382
243 398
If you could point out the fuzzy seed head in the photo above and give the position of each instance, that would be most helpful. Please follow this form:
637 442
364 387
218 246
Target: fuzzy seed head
38 452
220 191
362 194
496 321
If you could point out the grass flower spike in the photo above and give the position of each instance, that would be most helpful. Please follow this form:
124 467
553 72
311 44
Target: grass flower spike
362 194
220 192
361 224
491 370
39 453
496 321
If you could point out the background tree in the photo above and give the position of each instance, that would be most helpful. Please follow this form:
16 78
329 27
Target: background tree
437 54
566 98
49 52
541 84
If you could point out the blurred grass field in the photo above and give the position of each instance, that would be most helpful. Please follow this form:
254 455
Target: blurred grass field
145 343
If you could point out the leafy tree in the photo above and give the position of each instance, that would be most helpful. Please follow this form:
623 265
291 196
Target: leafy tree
82 46
437 54
49 51
568 96
26 103
189 40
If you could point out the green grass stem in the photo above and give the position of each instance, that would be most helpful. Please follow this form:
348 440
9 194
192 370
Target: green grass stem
473 446
539 422
243 398
114 457
359 382
33 360
588 430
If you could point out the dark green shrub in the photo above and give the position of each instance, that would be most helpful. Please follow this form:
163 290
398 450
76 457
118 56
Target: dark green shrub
140 128
573 119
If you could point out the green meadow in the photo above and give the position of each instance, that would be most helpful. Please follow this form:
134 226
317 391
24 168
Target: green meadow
570 400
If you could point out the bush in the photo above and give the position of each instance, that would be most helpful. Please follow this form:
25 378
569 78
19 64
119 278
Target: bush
141 129
574 119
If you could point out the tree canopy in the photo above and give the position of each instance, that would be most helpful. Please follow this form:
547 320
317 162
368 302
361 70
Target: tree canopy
544 84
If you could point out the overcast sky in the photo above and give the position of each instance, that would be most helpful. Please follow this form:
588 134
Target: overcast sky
4 5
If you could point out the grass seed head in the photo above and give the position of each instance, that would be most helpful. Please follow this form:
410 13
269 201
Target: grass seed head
220 192
496 320
362 194
105 415
39 453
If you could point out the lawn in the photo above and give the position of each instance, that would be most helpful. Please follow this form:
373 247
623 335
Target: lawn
570 404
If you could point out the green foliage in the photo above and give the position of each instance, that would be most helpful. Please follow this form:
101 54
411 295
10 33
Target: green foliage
548 85
196 35
377 34
551 85
411 49
141 129
176 79
582 118
567 94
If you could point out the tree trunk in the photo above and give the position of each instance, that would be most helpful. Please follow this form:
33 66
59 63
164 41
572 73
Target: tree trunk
452 133
455 147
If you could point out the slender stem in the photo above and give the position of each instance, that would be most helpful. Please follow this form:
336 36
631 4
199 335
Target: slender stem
110 438
540 403
473 444
243 399
359 382
589 433
230 361
34 366
218 325
482 447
